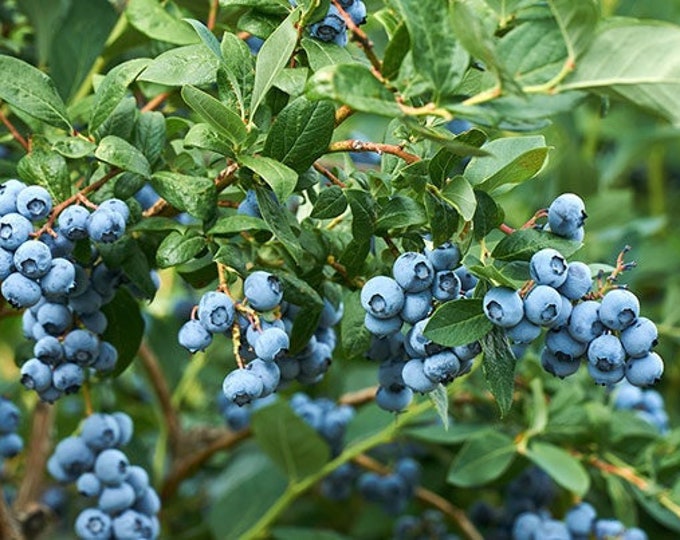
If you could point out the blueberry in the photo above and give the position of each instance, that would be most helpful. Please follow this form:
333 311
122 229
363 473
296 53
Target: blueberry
59 245
548 267
652 400
59 279
8 195
54 318
566 215
105 226
584 323
146 196
446 286
263 290
413 272
106 359
93 524
315 364
628 397
132 524
327 336
95 322
68 377
563 345
330 28
272 344
357 11
444 257
14 231
542 305
526 526
81 347
73 222
634 534
393 399
125 426
20 291
331 315
578 282
35 375
138 479
468 281
89 485
619 309
117 206
606 352
34 202
414 376
382 297
149 503
503 306
100 431
9 416
382 327
468 352
242 386
606 376
10 445
390 374
73 457
562 319
606 528
553 530
6 263
111 466
116 498
442 367
268 372
558 366
253 334
216 312
194 337
417 344
249 206
580 518
523 332
644 371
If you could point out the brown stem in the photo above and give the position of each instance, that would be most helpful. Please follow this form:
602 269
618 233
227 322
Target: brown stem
15 133
36 460
342 114
363 41
365 395
188 465
428 497
212 14
394 250
353 145
160 386
506 229
543 212
328 174
9 527
155 102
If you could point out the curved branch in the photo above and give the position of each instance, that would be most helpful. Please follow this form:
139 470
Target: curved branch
353 145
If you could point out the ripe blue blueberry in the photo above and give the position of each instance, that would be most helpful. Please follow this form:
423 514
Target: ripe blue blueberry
548 267
132 524
216 312
59 245
34 203
111 467
644 371
93 524
6 263
639 338
272 344
249 206
116 498
138 478
442 367
14 231
584 323
242 386
413 272
100 431
444 257
446 286
608 528
382 327
469 351
331 28
542 305
9 416
95 322
268 372
417 306
118 206
35 375
73 222
125 426
382 297
68 377
331 315
89 485
357 11
194 337
8 195
33 259
559 367
73 457
81 347
105 226
54 318
578 282
393 399
417 344
523 332
107 357
468 280
263 290
526 526
59 279
580 518
563 345
503 306
606 352
414 377
148 503
566 215
10 445
619 309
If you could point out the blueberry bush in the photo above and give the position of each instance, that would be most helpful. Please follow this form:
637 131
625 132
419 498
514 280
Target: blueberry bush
333 269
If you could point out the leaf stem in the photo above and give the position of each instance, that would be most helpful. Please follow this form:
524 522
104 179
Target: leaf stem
353 145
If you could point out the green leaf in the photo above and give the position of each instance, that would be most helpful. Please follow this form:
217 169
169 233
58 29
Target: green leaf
321 54
149 17
459 194
656 510
465 144
206 36
331 203
440 399
522 244
150 135
300 533
120 153
400 212
113 88
643 73
494 274
289 441
355 86
29 90
194 194
395 52
81 40
48 169
273 57
192 64
250 484
177 248
73 147
482 459
121 121
458 323
488 215
513 160
562 467
355 338
354 256
301 133
206 138
221 118
46 19
237 223
235 79
276 217
498 365
125 328
436 55
233 255
577 20
456 434
280 178
443 218
363 213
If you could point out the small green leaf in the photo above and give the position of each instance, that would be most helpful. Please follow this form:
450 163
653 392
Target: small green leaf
443 218
233 255
363 213
482 459
400 212
562 467
397 49
577 20
277 218
355 338
441 404
281 179
488 215
236 76
206 138
150 135
494 274
192 64
458 323
331 203
229 225
194 194
206 36
125 328
178 248
149 17
219 116
498 365
48 169
29 90
321 54
459 194
456 434
301 133
289 441
273 57
74 147
522 244
120 153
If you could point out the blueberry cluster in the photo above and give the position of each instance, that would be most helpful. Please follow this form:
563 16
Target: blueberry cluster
326 417
648 404
428 526
333 26
608 333
63 297
11 442
126 503
393 491
264 341
412 362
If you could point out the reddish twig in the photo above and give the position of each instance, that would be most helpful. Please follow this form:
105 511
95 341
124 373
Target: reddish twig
212 14
543 212
328 174
15 133
506 229
155 102
353 145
